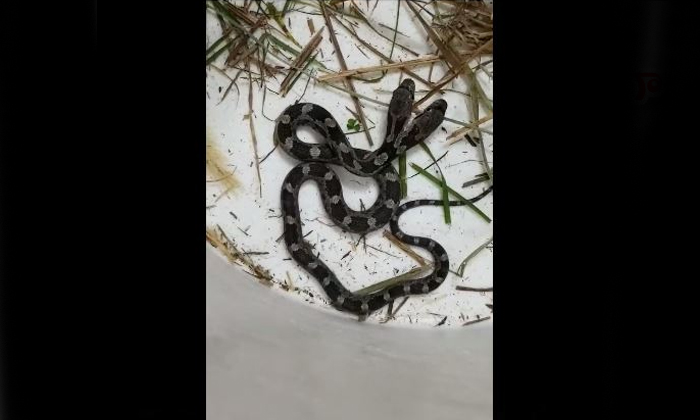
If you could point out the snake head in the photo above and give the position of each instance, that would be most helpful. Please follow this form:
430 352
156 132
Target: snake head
402 100
439 106
408 85
428 120
400 108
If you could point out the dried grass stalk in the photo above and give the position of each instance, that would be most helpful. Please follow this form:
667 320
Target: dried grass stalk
343 66
406 249
300 61
397 65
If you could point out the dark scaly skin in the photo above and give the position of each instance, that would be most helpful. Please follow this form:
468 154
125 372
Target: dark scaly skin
336 150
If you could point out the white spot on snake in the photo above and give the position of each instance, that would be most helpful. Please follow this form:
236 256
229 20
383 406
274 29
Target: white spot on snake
425 288
315 152
372 222
401 149
341 299
288 143
313 264
306 108
290 220
347 220
330 122
328 176
364 307
407 288
357 165
390 203
416 240
395 218
344 148
294 247
439 279
398 235
391 177
431 245
305 169
381 159
387 296
288 187
443 257
327 280
335 199
285 119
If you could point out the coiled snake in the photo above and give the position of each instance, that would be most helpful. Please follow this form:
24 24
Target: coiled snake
337 150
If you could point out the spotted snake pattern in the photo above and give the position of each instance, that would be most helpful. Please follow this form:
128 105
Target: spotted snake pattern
336 150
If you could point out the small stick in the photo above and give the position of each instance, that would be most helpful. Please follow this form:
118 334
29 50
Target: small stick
251 125
304 55
397 65
343 66
474 289
476 320
405 248
461 131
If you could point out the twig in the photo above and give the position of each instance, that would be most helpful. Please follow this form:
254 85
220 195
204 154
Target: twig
476 320
268 154
405 248
382 251
482 148
230 250
460 132
447 79
252 129
477 180
381 55
474 289
392 315
343 66
391 281
460 270
397 65
301 58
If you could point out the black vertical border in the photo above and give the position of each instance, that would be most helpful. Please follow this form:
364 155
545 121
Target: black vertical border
102 257
594 268
563 113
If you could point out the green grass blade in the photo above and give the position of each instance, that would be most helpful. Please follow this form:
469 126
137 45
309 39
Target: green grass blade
217 42
402 175
219 51
453 192
443 186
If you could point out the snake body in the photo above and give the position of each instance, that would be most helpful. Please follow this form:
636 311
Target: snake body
336 150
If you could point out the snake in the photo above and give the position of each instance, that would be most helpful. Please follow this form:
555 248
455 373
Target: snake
316 160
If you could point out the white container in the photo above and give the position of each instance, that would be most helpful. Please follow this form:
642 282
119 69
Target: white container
269 357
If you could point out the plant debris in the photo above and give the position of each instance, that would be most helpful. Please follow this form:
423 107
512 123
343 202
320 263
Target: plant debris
257 42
